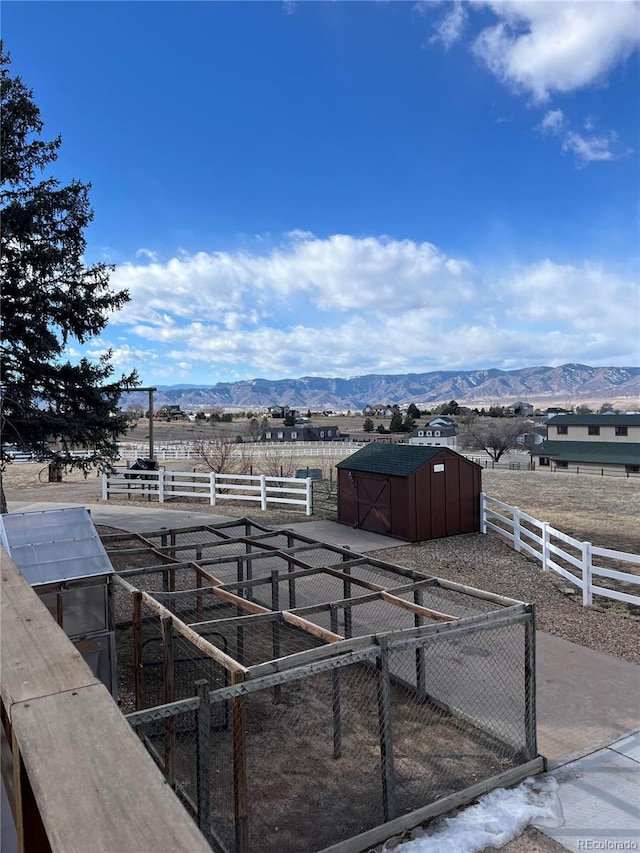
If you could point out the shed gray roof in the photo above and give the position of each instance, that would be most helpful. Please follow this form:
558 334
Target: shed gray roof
399 460
54 545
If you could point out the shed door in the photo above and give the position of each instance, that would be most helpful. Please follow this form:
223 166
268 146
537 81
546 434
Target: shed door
373 498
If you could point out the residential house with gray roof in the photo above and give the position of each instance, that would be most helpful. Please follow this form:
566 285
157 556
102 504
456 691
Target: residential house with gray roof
591 443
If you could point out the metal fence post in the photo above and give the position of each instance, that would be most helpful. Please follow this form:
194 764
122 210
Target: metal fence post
348 615
212 488
483 512
138 664
161 485
421 670
240 792
275 625
105 487
203 757
263 492
168 695
335 679
587 576
387 774
531 724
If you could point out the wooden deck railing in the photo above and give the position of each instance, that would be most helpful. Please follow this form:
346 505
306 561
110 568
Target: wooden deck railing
77 777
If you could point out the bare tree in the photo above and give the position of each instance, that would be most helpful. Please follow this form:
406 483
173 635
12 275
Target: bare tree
495 436
276 462
255 428
468 418
220 455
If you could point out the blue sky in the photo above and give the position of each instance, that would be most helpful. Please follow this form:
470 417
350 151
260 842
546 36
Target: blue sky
340 188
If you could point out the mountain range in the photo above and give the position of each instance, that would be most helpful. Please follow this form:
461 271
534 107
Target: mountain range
568 383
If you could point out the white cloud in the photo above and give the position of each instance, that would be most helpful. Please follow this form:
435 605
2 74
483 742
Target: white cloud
590 149
147 253
450 27
552 122
349 305
587 148
585 299
305 273
545 47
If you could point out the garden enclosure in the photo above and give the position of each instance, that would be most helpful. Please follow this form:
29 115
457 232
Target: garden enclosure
299 696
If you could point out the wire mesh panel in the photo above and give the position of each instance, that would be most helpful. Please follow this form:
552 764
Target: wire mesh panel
313 761
460 710
298 697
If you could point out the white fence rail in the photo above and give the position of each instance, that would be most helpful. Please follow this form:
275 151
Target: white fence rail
542 543
163 485
168 452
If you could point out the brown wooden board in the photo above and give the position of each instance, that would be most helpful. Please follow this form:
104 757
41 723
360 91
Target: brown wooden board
96 786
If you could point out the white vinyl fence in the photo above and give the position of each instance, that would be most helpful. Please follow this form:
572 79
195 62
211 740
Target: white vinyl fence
188 450
551 547
163 485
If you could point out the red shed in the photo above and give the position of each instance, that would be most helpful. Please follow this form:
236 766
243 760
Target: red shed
411 492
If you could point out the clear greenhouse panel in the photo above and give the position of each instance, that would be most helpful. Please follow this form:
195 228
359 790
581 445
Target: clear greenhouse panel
54 545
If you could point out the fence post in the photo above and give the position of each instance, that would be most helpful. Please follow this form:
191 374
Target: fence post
168 695
203 758
309 496
263 492
545 546
138 666
335 681
105 487
275 626
240 792
384 731
483 512
161 485
212 488
516 528
530 681
587 595
421 664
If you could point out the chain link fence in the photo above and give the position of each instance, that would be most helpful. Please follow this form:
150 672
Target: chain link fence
307 694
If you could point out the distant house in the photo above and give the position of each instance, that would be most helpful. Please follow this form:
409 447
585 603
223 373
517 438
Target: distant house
283 434
532 437
520 409
434 436
380 410
170 413
443 421
591 442
280 411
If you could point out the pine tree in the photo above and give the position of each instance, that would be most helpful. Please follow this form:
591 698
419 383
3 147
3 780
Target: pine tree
50 405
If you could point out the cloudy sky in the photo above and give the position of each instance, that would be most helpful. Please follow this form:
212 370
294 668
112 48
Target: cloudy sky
339 188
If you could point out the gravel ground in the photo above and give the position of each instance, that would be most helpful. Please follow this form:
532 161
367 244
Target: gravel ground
489 563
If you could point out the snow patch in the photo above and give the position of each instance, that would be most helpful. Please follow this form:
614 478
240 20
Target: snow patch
495 819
